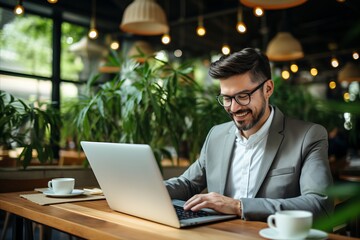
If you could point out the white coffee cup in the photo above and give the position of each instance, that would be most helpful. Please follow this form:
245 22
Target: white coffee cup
62 185
294 224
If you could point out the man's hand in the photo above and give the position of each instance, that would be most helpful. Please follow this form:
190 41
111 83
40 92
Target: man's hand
214 201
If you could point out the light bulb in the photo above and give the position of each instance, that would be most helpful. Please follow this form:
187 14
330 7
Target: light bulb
177 53
285 74
115 45
201 31
334 62
52 1
225 49
93 34
355 55
241 27
258 11
313 72
165 39
332 85
19 9
294 68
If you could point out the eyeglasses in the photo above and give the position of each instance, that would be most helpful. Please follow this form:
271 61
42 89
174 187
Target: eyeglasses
241 98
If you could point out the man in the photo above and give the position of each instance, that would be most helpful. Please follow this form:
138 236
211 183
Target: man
260 162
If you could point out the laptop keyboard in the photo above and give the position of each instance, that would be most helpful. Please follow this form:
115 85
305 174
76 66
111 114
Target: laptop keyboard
182 214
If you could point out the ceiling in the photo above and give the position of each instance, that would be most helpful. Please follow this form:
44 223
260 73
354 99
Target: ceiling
322 26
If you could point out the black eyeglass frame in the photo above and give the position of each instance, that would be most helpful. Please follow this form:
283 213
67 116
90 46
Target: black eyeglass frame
239 95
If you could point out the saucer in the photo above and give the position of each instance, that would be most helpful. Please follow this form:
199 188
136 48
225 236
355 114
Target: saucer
75 192
272 234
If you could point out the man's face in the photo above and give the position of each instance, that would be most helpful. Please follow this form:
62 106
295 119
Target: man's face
251 116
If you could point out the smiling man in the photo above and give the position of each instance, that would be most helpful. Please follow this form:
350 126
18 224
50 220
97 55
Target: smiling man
261 161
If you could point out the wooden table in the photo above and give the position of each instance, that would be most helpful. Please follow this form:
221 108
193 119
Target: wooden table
95 220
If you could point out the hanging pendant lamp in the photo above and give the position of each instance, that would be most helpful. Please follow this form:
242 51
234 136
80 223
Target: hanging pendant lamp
284 47
349 73
144 17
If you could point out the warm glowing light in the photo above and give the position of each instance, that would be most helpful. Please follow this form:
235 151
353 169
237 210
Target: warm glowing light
52 1
258 11
334 62
294 68
241 27
313 71
285 74
115 45
19 9
201 31
346 97
166 39
225 49
340 1
332 85
93 34
177 53
355 55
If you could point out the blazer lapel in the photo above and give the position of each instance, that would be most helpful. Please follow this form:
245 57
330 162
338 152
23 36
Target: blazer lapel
226 158
273 143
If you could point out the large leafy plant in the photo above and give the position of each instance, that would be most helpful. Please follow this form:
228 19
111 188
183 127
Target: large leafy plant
153 102
32 128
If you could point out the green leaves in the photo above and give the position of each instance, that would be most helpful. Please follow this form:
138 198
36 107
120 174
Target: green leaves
27 126
348 194
154 102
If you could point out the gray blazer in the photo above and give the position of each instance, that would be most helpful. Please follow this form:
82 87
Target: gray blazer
294 172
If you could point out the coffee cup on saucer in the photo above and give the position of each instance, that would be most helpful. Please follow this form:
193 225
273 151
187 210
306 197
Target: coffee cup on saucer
291 224
62 185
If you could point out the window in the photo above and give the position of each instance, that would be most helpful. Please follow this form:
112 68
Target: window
28 89
25 43
72 64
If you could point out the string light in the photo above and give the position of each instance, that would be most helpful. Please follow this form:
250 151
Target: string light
332 85
165 39
334 62
355 55
115 45
258 12
19 9
225 49
93 34
178 53
240 26
285 74
200 30
313 72
294 68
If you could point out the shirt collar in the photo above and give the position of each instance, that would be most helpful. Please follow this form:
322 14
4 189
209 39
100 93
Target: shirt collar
260 134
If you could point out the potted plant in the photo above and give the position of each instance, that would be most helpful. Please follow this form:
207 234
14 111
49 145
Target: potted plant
31 128
154 102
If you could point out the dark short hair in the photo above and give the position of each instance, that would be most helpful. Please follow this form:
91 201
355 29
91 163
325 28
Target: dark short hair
247 60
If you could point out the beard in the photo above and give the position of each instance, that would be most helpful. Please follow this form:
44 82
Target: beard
255 117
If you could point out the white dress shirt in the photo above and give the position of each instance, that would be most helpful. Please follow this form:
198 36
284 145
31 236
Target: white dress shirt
246 160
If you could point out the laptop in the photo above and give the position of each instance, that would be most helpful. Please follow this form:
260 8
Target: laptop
132 183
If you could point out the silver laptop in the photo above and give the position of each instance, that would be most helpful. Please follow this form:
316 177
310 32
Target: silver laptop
132 183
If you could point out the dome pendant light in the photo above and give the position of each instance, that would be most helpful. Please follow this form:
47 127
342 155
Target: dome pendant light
144 17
